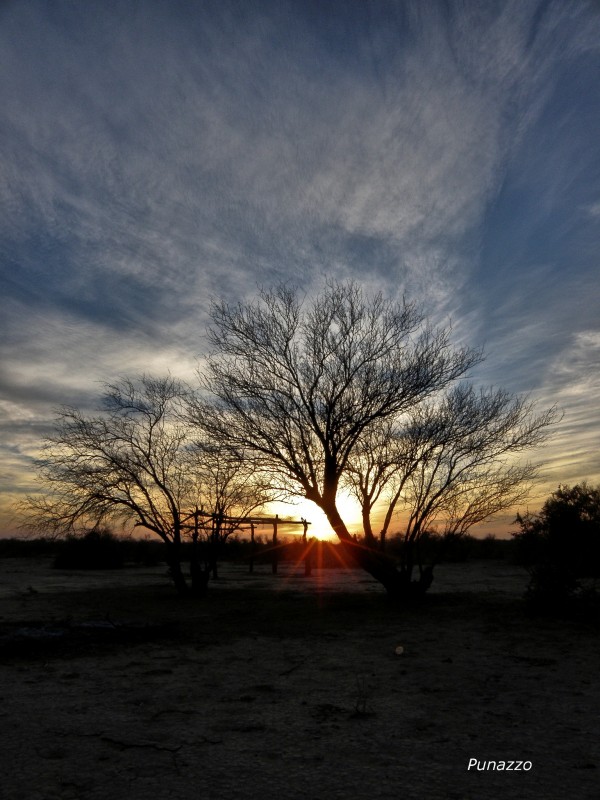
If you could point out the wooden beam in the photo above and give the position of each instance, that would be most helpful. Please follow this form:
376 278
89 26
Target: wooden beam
255 520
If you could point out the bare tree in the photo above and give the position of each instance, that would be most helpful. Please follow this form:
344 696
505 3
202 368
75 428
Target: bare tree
385 458
232 490
301 384
452 464
474 437
468 470
137 462
373 469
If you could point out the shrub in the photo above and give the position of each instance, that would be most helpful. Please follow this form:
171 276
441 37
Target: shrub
27 548
97 549
560 546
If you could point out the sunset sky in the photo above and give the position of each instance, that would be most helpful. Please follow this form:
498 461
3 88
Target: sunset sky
156 154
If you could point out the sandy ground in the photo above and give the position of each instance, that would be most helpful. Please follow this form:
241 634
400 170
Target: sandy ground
288 687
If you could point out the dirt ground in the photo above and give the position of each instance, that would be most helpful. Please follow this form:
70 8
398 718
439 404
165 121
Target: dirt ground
290 687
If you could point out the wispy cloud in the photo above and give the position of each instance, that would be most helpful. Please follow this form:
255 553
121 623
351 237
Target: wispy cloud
155 157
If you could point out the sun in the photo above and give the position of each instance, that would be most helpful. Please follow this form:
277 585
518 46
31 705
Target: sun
347 505
350 511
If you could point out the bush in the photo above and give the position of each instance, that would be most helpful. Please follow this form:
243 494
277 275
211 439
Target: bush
146 552
560 546
95 550
27 548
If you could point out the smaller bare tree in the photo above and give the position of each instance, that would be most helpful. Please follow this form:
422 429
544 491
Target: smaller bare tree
233 489
138 463
450 462
129 464
385 458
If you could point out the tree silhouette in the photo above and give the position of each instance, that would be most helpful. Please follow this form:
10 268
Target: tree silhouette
298 398
450 464
561 544
136 462
303 383
232 490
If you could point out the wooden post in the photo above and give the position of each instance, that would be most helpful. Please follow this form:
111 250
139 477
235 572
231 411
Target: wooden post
275 553
307 553
217 524
252 545
195 570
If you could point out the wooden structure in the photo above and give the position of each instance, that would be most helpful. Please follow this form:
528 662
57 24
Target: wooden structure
276 522
218 520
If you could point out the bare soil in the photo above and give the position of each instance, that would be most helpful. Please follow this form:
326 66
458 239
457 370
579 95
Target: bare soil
290 687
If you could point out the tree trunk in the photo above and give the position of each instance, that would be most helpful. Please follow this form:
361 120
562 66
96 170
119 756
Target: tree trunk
375 563
397 583
199 578
174 562
367 529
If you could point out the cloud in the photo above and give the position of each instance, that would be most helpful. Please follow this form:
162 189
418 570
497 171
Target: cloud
594 210
573 384
155 156
151 171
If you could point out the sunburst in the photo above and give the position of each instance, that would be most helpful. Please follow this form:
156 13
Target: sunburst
320 528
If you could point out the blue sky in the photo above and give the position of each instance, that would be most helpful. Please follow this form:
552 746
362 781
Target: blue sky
155 154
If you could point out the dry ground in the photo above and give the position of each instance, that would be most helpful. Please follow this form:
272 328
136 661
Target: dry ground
287 687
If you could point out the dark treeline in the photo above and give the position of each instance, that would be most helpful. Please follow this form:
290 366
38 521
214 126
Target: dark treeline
106 550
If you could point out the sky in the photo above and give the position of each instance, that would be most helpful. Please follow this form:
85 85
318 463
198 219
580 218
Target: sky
157 154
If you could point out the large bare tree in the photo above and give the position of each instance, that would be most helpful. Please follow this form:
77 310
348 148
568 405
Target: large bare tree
302 382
